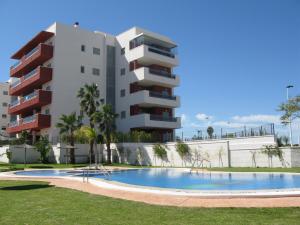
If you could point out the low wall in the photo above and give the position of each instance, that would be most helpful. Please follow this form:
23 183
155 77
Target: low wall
237 152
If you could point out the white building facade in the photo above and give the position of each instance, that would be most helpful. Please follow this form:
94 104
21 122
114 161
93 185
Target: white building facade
133 71
4 102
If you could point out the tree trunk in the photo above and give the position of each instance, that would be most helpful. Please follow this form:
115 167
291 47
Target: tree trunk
72 151
108 153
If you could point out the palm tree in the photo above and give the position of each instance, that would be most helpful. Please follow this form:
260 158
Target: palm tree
106 120
89 95
210 131
67 126
90 135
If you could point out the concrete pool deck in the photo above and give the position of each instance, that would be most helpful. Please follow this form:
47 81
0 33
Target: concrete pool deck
164 199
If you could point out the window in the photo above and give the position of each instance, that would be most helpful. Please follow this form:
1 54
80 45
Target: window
48 88
4 116
102 100
96 71
96 51
82 69
4 104
49 65
5 92
123 71
123 114
122 93
83 48
47 111
122 51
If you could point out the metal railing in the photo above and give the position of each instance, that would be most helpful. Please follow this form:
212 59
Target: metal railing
13 123
161 73
16 83
32 52
30 96
160 95
29 119
16 64
163 118
160 51
14 103
30 74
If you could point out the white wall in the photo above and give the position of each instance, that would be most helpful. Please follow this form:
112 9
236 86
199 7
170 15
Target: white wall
3 109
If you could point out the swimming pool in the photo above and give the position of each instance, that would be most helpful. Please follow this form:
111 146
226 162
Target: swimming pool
182 179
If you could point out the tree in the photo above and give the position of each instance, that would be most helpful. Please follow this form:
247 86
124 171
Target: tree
43 147
269 151
105 118
90 135
182 149
160 152
89 95
210 131
291 111
24 137
67 126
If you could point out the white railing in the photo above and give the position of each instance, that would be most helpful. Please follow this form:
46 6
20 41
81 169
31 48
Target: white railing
32 52
14 103
16 83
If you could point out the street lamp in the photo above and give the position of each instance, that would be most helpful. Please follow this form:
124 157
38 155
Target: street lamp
290 120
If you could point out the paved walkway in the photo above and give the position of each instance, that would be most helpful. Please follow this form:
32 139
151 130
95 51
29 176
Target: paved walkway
181 201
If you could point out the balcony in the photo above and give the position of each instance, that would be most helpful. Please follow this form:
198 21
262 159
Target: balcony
154 121
32 80
146 54
34 122
149 76
29 102
31 60
147 98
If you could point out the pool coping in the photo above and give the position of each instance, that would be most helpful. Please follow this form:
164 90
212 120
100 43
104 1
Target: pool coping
114 185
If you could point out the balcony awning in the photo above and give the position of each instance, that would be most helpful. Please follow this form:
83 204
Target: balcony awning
39 38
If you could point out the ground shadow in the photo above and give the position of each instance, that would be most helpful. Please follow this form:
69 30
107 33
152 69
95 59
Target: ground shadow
25 187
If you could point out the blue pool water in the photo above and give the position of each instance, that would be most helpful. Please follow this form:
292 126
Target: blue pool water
179 179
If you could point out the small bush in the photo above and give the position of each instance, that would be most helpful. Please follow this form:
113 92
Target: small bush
182 149
160 151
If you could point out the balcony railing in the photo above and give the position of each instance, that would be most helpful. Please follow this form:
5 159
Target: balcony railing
14 103
163 118
30 74
13 123
30 96
32 52
29 119
161 51
161 73
16 64
16 83
161 95
154 45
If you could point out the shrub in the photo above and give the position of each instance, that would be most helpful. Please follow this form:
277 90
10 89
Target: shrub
43 147
160 151
182 149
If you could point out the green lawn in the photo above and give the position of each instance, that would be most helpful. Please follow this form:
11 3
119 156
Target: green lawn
8 167
252 169
37 203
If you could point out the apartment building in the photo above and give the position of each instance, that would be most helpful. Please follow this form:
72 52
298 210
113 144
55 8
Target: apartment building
4 102
133 71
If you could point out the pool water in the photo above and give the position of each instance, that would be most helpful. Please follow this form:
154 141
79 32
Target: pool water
180 179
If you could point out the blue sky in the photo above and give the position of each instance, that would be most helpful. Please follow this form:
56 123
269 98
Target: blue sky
236 56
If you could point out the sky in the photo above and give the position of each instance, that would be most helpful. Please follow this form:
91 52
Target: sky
236 56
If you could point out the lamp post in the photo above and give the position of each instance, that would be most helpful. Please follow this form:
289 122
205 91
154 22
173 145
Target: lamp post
290 120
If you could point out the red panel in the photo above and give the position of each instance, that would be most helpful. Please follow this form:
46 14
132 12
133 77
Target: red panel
43 98
39 38
44 53
42 76
42 121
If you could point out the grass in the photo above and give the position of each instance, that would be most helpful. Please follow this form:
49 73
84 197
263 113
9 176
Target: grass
10 167
37 203
253 169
